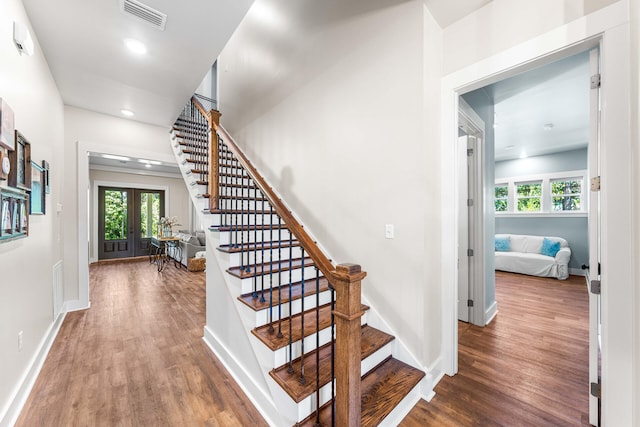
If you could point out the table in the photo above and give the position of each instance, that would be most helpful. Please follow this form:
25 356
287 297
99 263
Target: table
163 250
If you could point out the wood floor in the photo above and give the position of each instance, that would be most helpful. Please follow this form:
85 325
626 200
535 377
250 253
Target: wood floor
529 367
137 358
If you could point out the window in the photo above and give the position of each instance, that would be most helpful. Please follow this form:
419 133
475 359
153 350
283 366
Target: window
566 194
501 199
561 193
529 196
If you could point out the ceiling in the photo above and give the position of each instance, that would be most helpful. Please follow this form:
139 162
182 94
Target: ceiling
83 42
542 111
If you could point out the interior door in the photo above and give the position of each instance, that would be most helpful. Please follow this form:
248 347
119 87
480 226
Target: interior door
148 208
463 230
593 271
115 223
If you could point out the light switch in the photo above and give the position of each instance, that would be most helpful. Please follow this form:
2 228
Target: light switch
388 231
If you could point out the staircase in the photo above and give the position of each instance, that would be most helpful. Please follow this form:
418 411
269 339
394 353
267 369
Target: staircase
290 294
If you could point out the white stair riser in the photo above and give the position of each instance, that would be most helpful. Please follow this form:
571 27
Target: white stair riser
262 316
277 278
260 256
251 237
244 219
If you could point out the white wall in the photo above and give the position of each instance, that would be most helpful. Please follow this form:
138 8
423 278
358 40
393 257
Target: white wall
333 106
26 264
502 24
176 197
86 130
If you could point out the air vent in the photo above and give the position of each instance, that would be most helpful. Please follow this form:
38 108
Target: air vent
144 13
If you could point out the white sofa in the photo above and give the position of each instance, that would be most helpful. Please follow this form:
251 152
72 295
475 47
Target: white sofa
524 256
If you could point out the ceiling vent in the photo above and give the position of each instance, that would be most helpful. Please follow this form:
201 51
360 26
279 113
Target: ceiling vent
144 13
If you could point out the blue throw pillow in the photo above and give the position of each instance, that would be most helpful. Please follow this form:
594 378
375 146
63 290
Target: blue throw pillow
503 244
549 247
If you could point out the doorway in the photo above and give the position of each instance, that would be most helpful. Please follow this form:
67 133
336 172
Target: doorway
127 220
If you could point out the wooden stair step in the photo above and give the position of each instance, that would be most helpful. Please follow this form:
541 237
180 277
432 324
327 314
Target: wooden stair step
243 211
244 227
249 198
296 293
200 171
249 247
271 267
371 340
270 337
382 389
251 185
183 121
200 146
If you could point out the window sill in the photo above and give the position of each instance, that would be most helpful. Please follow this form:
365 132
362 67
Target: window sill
541 214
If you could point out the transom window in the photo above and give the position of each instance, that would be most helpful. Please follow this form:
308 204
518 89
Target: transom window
557 193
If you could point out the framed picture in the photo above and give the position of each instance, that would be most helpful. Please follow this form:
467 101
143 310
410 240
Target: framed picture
20 159
38 196
7 136
45 166
14 217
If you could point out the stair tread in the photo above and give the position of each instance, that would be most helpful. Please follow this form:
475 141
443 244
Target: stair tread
256 304
270 267
257 199
371 340
382 389
258 245
270 337
244 211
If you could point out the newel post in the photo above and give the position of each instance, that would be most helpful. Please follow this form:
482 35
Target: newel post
214 122
346 279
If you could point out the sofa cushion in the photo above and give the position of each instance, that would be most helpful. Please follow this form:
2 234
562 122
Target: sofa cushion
549 248
202 239
502 244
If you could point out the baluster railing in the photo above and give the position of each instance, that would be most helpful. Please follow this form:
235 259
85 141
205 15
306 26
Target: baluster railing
224 158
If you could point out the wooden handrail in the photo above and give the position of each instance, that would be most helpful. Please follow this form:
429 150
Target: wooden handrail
310 246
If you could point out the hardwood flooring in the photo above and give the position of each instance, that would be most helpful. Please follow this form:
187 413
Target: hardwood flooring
528 367
136 358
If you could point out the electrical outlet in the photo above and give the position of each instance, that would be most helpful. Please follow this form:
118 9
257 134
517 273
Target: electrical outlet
388 231
20 341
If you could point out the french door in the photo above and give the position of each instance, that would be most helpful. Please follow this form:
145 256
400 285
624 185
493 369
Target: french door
127 220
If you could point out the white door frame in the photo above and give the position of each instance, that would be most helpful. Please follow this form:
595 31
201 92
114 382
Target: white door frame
470 123
611 25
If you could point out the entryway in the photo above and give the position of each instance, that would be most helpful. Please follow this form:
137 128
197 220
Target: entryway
127 220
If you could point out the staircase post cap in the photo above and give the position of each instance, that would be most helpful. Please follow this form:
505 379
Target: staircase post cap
349 272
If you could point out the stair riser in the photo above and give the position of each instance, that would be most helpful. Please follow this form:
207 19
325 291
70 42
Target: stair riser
268 256
250 237
246 285
245 219
262 317
252 205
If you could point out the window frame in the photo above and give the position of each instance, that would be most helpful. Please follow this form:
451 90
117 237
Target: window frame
546 204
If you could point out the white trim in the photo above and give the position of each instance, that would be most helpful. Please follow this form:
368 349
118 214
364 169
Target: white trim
541 214
609 24
11 412
491 313
149 172
263 403
116 184
571 38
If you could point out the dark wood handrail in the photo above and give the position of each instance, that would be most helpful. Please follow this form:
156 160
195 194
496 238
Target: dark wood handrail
307 242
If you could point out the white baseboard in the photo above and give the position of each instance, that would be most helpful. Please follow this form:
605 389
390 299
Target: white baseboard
577 272
76 305
11 413
263 403
490 313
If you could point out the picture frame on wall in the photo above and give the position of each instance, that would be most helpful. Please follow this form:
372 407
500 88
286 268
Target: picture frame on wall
38 196
20 159
47 187
14 216
7 129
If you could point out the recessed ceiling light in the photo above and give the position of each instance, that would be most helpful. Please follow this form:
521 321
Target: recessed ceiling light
548 126
127 113
135 46
147 165
150 162
523 155
113 157
509 147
